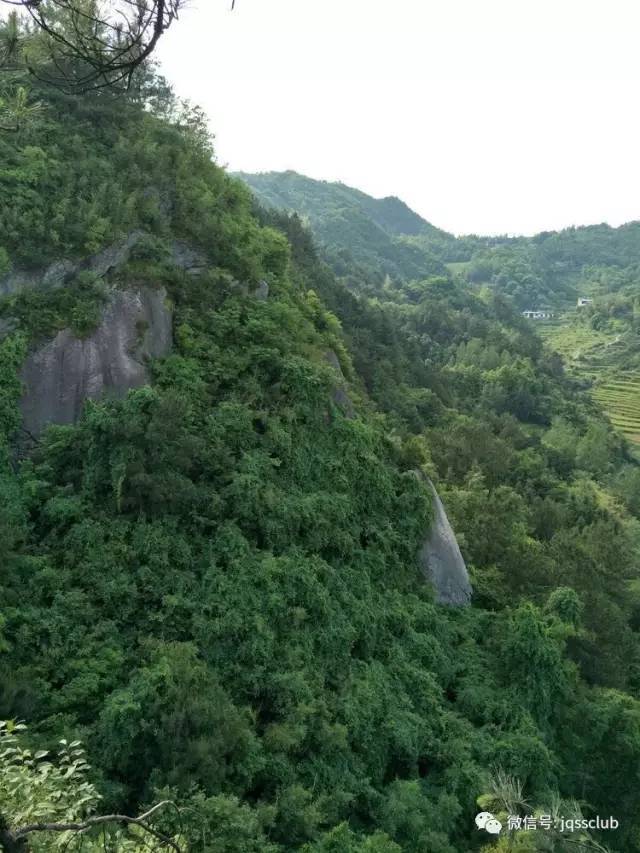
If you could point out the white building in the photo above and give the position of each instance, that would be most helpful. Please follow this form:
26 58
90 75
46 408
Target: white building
537 315
584 300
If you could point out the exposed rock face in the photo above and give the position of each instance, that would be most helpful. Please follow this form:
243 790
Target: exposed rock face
331 358
441 561
135 327
62 374
57 274
187 258
113 256
60 272
6 327
52 276
340 396
261 293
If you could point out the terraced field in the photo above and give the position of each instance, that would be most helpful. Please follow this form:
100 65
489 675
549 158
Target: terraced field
600 358
578 344
548 328
620 398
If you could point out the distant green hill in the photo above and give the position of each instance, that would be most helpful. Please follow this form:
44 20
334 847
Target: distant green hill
554 268
385 237
354 227
381 247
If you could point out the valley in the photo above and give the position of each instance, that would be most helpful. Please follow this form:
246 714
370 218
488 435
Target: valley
599 343
305 531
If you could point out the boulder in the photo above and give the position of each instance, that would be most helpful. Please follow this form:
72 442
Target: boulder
61 375
441 560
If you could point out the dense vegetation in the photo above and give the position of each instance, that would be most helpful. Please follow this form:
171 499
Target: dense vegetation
360 234
213 582
384 237
551 270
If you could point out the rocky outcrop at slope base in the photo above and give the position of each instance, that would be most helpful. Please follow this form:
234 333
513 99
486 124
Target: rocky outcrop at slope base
62 374
441 560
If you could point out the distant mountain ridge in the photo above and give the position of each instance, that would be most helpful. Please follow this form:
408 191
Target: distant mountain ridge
384 237
378 233
382 248
315 198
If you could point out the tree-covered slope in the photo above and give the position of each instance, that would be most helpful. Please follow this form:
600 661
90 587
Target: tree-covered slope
543 271
213 581
355 228
601 344
319 200
551 271
598 340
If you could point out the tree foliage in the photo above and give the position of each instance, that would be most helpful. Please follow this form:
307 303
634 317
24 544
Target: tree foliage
212 582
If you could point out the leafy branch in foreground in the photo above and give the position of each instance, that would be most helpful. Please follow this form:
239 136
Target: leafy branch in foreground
39 796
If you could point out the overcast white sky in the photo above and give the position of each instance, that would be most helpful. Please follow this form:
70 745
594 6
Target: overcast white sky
486 116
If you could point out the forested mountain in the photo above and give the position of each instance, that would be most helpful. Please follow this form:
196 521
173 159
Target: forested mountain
321 200
209 558
547 270
588 278
357 230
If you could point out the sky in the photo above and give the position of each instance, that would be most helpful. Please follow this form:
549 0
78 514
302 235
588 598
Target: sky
485 116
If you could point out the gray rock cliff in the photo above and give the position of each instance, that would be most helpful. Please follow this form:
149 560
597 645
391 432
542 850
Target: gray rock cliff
340 396
441 560
62 374
58 273
136 326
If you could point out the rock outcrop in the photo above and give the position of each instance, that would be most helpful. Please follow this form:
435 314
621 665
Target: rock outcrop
54 275
441 560
62 374
186 258
136 326
340 396
261 293
59 273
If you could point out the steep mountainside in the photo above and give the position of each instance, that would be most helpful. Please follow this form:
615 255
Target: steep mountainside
356 228
546 270
212 567
550 271
319 200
